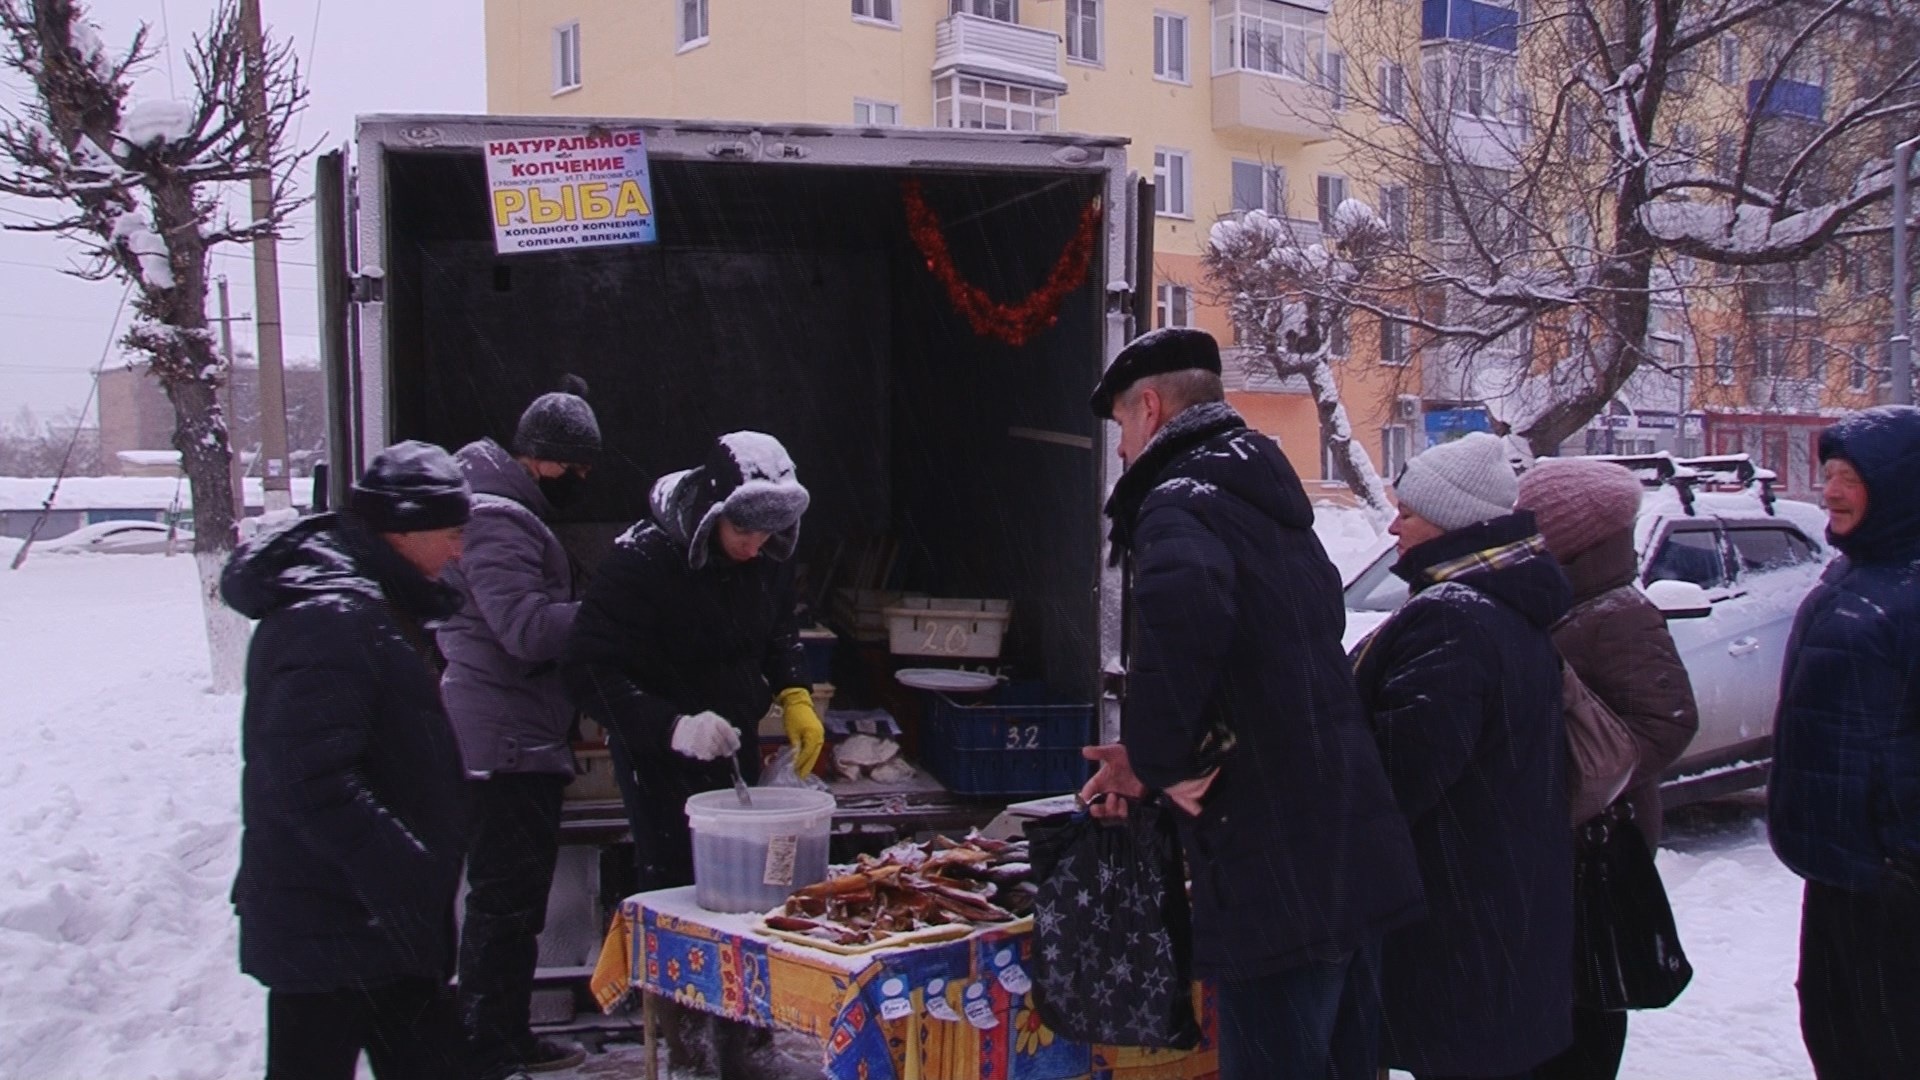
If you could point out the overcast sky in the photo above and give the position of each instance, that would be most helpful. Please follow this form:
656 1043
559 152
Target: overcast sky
362 56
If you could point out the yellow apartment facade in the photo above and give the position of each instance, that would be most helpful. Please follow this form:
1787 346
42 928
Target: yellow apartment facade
1217 96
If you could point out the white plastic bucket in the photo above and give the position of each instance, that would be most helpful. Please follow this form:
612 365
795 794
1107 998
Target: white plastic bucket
751 858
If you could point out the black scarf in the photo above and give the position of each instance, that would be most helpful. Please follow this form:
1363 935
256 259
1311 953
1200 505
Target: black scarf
1185 431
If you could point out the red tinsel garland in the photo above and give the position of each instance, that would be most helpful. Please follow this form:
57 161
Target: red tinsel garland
1015 324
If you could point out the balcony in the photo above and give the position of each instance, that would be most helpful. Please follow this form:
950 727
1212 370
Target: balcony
1255 103
991 49
1788 100
1489 25
1784 393
1782 298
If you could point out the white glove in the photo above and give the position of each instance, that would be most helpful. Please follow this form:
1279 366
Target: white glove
705 736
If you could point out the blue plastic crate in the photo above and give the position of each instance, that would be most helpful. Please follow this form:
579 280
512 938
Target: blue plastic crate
1015 744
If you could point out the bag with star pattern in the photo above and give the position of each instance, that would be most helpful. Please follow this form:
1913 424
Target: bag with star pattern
1113 948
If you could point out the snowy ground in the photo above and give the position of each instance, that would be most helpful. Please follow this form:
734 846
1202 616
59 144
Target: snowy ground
118 807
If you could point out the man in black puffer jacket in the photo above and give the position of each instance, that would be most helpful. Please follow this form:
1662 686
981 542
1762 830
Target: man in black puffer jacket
1462 687
1240 710
351 795
682 641
1844 799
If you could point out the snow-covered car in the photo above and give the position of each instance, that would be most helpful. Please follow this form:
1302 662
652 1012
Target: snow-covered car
119 538
1744 559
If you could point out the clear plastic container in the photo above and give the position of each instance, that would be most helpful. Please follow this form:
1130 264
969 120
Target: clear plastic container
752 858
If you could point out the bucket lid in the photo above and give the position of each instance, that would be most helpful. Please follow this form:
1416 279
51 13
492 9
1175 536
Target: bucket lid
769 804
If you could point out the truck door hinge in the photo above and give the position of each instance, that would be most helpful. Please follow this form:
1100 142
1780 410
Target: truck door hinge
367 288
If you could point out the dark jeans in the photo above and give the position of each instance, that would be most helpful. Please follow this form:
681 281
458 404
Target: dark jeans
510 859
409 1030
1314 1021
1599 1038
1860 983
1529 1075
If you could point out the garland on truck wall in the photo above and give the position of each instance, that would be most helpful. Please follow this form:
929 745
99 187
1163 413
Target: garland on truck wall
1015 324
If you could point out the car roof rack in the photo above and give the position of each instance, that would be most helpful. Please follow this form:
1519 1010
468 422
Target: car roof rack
1652 470
1724 472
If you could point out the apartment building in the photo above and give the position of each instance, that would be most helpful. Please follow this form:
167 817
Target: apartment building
1233 105
1219 98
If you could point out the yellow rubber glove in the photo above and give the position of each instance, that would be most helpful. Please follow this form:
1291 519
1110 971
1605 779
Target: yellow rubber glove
804 729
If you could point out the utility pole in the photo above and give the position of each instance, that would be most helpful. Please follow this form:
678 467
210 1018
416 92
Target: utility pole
1901 344
236 468
266 275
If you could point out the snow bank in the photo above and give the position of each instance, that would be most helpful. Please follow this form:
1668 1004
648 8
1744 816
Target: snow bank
119 801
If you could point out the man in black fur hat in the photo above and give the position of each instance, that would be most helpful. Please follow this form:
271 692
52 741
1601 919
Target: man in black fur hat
684 638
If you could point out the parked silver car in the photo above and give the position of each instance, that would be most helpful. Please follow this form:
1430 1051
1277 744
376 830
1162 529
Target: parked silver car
1735 563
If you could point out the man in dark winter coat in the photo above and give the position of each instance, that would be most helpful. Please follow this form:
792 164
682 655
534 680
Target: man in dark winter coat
1240 709
1844 798
509 707
1462 687
1618 643
683 641
351 796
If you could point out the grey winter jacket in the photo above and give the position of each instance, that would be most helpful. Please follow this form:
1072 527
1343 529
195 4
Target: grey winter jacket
502 684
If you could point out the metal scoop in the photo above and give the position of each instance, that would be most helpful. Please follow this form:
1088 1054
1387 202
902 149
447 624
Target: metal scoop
740 788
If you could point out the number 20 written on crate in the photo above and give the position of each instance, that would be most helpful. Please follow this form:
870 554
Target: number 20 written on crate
570 190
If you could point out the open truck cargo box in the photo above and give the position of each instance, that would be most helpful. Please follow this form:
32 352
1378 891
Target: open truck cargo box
785 293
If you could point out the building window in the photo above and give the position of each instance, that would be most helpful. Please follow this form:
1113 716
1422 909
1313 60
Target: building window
1329 193
1393 92
1393 210
880 11
1269 38
1170 47
693 22
1259 187
1172 306
999 10
1579 132
566 58
1337 336
1337 81
875 113
1859 372
1772 358
1442 221
1817 361
985 105
1476 87
1173 183
1083 31
1396 446
1723 360
1729 59
1393 343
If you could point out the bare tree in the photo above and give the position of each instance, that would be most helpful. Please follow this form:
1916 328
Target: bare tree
138 186
1283 292
1560 172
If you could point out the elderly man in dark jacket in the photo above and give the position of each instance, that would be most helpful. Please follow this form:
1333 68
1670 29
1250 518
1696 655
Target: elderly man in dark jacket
1844 798
351 796
1240 709
1618 643
509 707
1462 687
683 641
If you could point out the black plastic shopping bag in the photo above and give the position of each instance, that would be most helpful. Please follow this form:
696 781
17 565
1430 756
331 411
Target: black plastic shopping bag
1112 949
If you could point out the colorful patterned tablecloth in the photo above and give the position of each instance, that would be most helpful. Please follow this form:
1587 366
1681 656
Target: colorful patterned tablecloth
854 1005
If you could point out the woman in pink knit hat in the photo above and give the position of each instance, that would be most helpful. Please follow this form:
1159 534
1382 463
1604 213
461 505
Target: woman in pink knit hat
1617 642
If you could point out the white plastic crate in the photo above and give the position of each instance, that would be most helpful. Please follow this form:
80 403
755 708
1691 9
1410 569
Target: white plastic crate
945 626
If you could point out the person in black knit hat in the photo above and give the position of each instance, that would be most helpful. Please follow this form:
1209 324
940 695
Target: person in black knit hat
351 792
504 694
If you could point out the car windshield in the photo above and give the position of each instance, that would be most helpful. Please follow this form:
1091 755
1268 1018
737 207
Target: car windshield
1378 588
1769 547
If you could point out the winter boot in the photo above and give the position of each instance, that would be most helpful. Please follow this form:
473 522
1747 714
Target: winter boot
745 1051
537 1055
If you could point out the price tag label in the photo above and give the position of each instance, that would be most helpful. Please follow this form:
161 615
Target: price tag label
938 1005
1012 976
978 1004
894 1002
781 851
